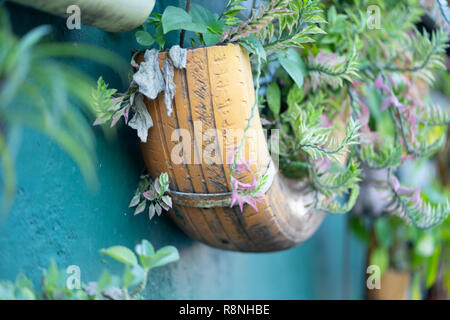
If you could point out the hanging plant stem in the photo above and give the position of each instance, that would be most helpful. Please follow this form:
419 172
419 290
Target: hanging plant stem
255 106
183 32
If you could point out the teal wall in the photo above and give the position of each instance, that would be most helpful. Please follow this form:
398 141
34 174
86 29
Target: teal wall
56 216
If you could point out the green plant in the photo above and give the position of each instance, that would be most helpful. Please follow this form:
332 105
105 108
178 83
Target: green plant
398 246
272 28
39 91
108 287
374 80
153 193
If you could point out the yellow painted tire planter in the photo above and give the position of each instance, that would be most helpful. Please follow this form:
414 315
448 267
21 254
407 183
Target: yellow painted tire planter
216 91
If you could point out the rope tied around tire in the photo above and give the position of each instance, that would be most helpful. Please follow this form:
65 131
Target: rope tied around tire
212 200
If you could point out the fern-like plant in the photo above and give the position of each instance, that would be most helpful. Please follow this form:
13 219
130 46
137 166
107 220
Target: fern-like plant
373 79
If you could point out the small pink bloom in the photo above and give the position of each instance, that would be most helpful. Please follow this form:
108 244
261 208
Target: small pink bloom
381 85
234 197
326 122
266 122
251 202
241 203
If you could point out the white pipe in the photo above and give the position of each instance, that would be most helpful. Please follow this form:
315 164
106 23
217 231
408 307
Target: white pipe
108 15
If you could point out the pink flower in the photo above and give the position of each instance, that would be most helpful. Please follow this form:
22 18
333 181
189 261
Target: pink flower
322 165
243 192
379 83
241 165
266 122
236 197
238 185
326 122
392 100
247 196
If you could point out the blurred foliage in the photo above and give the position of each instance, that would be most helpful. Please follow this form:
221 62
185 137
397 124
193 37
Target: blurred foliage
39 91
54 282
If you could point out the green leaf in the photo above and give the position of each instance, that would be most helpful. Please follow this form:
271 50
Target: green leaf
167 200
135 201
7 290
383 233
416 290
121 254
202 15
140 207
51 275
215 27
144 249
25 290
164 177
158 209
166 255
295 95
380 258
359 230
432 268
175 18
104 282
163 256
133 276
274 98
292 62
151 211
23 282
425 246
211 38
159 35
144 38
253 45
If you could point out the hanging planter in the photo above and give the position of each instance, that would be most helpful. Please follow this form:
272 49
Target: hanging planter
112 16
215 92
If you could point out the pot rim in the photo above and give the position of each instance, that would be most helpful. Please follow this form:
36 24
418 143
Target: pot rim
139 51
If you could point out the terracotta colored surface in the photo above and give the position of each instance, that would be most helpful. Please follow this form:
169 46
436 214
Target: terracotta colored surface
214 94
394 286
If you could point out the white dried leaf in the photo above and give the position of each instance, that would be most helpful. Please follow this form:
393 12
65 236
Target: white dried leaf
149 77
170 87
178 56
141 121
